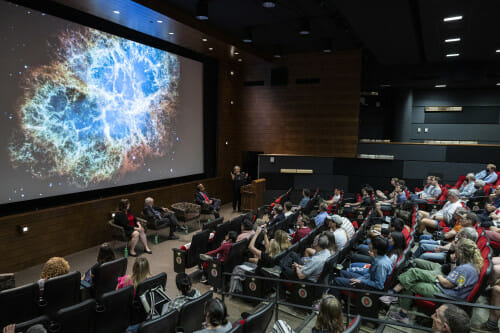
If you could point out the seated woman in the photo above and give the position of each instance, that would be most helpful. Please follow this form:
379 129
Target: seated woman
426 280
55 266
133 229
140 272
184 285
105 254
222 252
216 317
261 259
330 318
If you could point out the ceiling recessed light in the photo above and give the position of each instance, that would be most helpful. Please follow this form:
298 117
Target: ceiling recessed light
497 51
452 40
305 27
277 55
204 39
170 33
202 10
240 60
116 12
159 21
498 84
247 40
231 72
452 18
440 86
269 3
210 48
326 45
236 53
327 50
449 55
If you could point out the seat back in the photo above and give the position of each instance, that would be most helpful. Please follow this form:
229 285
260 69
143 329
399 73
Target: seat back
192 315
60 292
106 276
164 324
236 329
259 321
236 255
113 310
18 304
139 315
42 320
212 224
78 318
354 326
199 244
220 232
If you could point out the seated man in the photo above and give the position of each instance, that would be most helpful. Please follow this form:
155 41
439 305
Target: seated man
162 216
305 199
489 175
377 274
432 192
312 269
277 215
335 225
489 208
449 318
389 205
446 213
366 200
345 224
201 197
381 195
468 187
320 218
302 230
426 193
335 198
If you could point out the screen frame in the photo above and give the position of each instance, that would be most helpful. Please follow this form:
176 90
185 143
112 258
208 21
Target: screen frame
209 105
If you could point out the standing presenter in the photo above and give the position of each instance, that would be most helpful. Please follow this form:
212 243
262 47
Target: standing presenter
239 179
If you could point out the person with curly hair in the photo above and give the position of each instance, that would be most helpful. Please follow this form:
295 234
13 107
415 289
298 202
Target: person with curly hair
426 279
330 318
55 266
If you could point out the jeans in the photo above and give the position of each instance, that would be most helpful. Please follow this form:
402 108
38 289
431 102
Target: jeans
344 280
424 246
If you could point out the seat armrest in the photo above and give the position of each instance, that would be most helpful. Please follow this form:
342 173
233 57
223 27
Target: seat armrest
448 297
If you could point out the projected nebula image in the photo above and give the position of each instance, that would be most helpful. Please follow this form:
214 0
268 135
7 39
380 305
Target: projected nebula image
97 111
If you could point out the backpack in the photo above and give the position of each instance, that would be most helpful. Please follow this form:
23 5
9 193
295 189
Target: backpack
153 300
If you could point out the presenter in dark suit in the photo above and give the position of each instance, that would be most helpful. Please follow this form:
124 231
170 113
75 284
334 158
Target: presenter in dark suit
161 215
133 229
201 197
239 178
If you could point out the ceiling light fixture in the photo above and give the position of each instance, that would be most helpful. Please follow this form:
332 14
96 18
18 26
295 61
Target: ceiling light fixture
452 40
204 40
116 12
236 53
327 45
247 37
497 51
202 10
269 3
450 55
170 33
440 86
240 60
452 18
159 21
305 27
498 84
210 48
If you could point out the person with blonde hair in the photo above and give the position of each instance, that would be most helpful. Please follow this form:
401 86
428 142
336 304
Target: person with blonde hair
140 272
330 318
426 279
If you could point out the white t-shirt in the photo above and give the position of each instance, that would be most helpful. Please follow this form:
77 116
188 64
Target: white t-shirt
347 226
446 213
340 238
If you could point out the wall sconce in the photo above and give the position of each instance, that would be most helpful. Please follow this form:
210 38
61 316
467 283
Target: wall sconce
22 229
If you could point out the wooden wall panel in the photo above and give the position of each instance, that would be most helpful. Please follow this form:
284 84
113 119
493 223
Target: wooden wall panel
304 119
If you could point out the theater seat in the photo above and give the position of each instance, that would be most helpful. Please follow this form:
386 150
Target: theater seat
191 258
78 318
138 314
191 315
113 310
164 324
354 326
18 304
106 276
237 328
42 320
258 321
60 292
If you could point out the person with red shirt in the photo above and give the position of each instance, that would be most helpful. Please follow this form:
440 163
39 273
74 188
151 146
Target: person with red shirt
222 252
132 228
302 230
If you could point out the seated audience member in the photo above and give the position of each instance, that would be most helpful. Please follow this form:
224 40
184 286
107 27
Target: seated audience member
381 195
449 318
493 227
215 317
184 285
133 229
490 208
397 244
491 325
305 199
332 247
288 208
320 218
389 205
38 328
456 223
366 201
201 197
398 224
479 196
330 318
140 272
105 254
161 215
446 213
246 230
302 230
260 259
335 225
277 215
282 238
379 270
53 267
222 251
426 193
312 269
467 189
433 191
337 193
489 175
432 251
427 280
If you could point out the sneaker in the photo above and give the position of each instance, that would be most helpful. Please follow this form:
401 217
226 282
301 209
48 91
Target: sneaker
397 316
203 279
205 257
388 300
488 328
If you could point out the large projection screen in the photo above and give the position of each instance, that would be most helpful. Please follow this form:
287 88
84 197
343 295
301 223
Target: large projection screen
83 110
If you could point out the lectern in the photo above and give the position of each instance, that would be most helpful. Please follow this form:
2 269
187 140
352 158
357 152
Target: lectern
252 195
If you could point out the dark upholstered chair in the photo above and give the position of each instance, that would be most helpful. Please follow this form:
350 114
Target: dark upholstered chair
78 318
355 325
60 292
113 310
192 315
236 329
42 320
164 324
138 313
106 276
18 304
259 321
